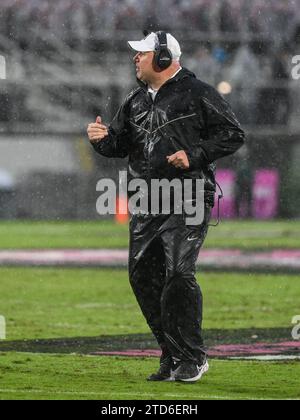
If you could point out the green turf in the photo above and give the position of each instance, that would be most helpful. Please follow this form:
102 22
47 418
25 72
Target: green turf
105 234
48 303
31 376
45 303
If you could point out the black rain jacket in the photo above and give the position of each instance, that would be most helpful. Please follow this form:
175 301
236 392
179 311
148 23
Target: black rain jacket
187 114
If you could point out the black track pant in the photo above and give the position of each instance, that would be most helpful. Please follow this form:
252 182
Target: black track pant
162 258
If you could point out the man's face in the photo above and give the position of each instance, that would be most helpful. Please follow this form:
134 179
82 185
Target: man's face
144 65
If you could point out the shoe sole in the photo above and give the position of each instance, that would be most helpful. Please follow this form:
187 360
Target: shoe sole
203 370
170 379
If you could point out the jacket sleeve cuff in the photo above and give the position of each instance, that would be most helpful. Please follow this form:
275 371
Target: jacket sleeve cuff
197 159
102 146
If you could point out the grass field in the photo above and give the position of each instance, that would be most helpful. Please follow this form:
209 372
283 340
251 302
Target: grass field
65 303
33 376
48 303
229 234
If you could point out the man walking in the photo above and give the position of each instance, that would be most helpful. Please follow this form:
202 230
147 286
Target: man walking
173 126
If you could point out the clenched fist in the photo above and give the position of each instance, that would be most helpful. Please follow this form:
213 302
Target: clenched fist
179 160
97 131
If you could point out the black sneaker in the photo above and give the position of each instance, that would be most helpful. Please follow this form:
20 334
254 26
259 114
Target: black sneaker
164 371
189 371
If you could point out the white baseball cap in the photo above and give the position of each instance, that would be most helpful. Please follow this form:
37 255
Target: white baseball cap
150 43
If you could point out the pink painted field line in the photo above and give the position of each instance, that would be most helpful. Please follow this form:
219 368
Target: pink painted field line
105 257
226 350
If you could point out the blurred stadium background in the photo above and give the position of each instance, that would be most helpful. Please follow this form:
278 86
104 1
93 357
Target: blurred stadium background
63 62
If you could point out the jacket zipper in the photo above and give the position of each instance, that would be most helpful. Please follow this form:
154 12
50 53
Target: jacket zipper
149 138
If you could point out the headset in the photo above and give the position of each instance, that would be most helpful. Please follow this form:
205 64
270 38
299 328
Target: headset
162 55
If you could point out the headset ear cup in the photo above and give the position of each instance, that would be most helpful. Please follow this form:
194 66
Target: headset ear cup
157 59
163 58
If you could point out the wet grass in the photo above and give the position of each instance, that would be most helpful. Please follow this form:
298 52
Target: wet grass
62 304
53 303
246 235
55 377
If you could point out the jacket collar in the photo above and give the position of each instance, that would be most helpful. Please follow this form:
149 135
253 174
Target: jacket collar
182 74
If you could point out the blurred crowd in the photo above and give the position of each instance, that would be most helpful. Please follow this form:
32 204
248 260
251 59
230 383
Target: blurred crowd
84 19
256 67
256 83
63 68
